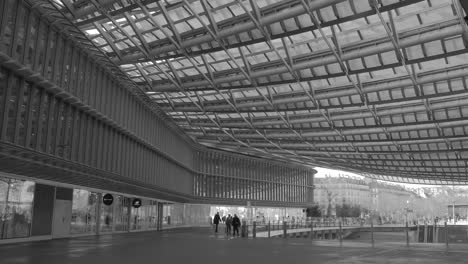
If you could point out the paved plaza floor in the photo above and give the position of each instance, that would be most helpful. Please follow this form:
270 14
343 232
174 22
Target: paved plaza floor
202 246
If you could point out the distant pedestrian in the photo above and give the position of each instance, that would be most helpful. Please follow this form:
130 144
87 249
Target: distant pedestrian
228 224
216 220
235 225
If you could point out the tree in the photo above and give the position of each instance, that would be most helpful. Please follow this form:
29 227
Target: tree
314 211
347 210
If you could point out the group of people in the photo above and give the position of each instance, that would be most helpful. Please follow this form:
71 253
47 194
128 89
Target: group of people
230 221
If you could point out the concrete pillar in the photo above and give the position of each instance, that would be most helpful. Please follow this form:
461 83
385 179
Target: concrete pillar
425 232
446 236
98 216
340 233
407 234
417 233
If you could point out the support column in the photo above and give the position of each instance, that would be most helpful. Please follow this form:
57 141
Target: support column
129 214
98 215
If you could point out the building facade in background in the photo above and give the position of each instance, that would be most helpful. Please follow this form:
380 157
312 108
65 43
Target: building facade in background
372 197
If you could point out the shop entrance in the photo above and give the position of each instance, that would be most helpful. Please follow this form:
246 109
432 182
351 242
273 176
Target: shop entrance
62 218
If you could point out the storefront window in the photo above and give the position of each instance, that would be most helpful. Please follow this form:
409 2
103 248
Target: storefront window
107 217
121 213
145 217
84 212
16 203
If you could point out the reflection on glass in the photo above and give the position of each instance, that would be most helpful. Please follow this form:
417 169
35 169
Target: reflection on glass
84 212
16 203
145 217
107 214
121 213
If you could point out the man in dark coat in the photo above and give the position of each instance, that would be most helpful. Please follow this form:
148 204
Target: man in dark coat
216 220
235 225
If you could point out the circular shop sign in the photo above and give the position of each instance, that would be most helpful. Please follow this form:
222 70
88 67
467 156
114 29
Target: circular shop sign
107 199
136 203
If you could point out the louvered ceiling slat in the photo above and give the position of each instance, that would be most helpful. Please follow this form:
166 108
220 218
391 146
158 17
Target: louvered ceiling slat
374 87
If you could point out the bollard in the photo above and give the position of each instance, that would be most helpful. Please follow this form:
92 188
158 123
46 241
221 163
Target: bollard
254 229
434 233
269 229
285 231
372 232
407 235
446 235
341 233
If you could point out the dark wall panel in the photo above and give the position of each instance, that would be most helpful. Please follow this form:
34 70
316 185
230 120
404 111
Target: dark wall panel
43 210
64 194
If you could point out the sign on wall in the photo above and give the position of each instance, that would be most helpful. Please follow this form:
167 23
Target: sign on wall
136 203
107 199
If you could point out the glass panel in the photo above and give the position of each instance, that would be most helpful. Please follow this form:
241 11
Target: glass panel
51 47
23 114
31 45
107 216
84 212
12 108
20 32
3 89
43 119
41 47
53 121
7 37
121 213
16 203
36 99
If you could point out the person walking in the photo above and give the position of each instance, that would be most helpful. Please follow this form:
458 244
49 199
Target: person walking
235 225
228 224
216 220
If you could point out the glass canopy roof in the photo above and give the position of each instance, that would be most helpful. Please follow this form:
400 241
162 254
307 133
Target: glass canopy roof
377 87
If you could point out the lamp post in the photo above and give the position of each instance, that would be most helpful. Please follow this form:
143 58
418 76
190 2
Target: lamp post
453 204
406 211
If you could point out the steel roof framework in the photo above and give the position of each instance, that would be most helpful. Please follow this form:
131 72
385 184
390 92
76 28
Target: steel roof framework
374 87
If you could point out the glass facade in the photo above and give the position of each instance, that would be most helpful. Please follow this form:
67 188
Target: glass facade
91 216
121 207
145 217
224 176
84 212
16 208
107 217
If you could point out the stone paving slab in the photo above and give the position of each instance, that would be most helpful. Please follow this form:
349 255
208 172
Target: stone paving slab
203 246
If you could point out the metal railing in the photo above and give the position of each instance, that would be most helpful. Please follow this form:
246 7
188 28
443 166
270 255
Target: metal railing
414 233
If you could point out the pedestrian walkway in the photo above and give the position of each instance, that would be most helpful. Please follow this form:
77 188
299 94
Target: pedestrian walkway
203 246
